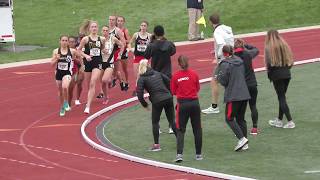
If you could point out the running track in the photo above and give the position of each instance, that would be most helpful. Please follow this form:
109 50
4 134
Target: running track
35 143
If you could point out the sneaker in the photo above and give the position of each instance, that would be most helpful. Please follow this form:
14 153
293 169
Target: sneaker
155 148
243 141
276 123
245 147
113 83
100 96
211 110
160 131
126 86
66 106
77 102
105 101
254 131
86 110
62 111
289 125
122 86
179 158
170 131
199 157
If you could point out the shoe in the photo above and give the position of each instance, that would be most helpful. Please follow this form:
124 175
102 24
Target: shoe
134 93
199 157
194 39
86 110
289 125
155 148
171 131
126 86
62 111
276 123
254 131
211 110
77 102
113 83
243 141
160 131
105 101
66 106
179 158
100 96
245 147
122 86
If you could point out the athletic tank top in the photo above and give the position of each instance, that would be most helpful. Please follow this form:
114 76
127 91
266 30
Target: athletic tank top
141 45
93 48
65 62
109 46
113 33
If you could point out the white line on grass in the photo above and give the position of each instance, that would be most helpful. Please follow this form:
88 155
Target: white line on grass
312 172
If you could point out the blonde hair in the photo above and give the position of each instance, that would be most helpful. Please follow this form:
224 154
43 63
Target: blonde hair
183 62
143 65
279 50
85 26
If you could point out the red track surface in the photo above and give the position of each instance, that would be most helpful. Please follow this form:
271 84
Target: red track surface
35 143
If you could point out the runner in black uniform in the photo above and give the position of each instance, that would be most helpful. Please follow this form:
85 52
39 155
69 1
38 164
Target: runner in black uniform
62 59
94 45
108 60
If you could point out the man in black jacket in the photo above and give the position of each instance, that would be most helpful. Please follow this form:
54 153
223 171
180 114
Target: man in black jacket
160 50
158 87
195 8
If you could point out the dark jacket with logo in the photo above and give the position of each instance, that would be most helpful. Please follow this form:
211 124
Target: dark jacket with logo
156 84
230 74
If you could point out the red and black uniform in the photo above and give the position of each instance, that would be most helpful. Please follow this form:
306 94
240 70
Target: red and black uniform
93 49
185 85
140 48
64 65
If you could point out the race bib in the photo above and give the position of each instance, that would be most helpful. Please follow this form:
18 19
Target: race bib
141 47
95 52
63 66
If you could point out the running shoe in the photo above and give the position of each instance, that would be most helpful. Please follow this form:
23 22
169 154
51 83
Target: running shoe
254 131
199 157
245 147
105 101
66 106
171 131
77 102
289 125
62 111
155 148
276 122
179 158
122 86
86 110
100 96
243 141
126 86
211 110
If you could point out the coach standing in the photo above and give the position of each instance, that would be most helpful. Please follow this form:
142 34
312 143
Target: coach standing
195 8
185 85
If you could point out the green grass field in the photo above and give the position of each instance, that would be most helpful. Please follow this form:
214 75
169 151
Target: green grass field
41 22
274 154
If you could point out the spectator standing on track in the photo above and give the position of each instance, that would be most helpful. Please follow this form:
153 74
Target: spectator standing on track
158 87
230 73
279 60
195 9
62 60
185 85
247 53
222 35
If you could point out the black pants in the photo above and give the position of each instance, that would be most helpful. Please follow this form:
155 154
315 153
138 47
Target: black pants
235 112
253 90
157 108
281 87
186 109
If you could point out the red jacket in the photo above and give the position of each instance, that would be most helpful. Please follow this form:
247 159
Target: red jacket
185 84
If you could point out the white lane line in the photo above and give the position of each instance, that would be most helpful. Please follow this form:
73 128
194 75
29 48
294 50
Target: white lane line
312 172
26 163
59 151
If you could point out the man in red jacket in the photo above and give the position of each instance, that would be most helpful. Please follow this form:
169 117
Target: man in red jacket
185 86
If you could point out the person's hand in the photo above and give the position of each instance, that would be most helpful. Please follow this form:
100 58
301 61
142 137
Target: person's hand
88 58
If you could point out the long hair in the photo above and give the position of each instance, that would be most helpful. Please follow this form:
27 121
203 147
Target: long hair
280 52
143 66
85 26
183 62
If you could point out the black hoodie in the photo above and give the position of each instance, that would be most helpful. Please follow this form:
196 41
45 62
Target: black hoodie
156 84
161 51
230 74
